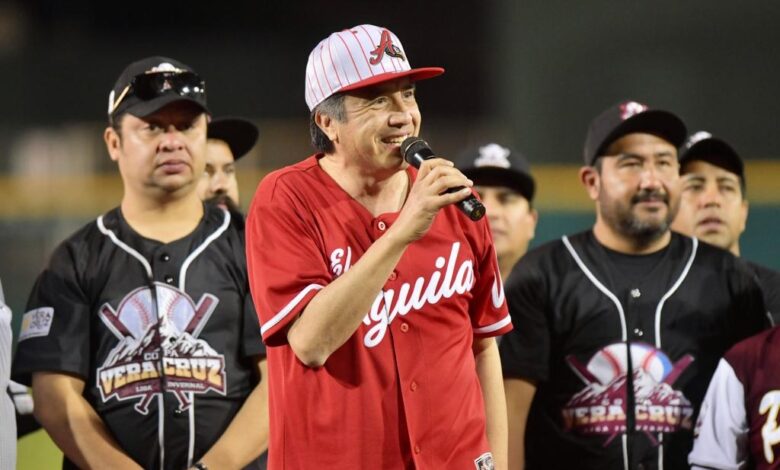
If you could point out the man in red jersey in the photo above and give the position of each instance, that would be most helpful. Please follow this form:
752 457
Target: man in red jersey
379 300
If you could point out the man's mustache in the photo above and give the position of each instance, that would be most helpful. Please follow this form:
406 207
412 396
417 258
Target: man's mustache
650 196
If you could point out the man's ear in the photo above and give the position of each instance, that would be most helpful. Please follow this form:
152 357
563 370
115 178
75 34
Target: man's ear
328 125
113 142
590 178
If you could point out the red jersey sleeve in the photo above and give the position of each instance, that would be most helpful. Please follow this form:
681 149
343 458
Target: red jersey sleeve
489 313
285 263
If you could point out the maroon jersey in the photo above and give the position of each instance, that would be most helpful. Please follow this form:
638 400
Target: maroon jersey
403 390
739 426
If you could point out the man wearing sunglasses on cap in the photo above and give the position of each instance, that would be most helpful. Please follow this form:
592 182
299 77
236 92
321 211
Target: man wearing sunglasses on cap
140 339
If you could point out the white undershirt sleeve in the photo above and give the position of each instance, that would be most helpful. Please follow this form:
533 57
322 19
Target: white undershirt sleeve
721 430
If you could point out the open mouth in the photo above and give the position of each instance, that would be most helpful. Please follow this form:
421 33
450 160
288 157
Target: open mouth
395 140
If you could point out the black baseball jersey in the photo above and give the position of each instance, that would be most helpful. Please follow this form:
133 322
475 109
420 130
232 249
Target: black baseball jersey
769 280
580 309
166 389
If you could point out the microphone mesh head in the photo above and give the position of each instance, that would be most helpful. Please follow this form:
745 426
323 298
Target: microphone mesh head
412 145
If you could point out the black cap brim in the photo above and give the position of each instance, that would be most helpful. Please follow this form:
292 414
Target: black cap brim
717 152
141 109
505 177
240 134
659 123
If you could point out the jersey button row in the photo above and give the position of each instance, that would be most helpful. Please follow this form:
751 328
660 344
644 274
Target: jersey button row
638 332
417 449
414 386
404 327
165 257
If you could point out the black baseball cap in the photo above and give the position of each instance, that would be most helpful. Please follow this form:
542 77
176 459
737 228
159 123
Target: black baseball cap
705 147
628 117
495 165
240 134
148 84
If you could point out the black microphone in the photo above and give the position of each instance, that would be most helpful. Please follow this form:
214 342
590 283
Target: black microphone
416 151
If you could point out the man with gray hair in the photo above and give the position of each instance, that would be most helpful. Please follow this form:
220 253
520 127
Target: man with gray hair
379 299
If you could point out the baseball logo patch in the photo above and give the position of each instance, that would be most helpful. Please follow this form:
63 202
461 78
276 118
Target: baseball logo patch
484 462
36 323
159 344
599 408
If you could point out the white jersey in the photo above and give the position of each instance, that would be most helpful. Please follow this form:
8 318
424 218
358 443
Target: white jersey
7 414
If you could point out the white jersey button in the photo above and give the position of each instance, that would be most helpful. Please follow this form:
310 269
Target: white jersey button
635 293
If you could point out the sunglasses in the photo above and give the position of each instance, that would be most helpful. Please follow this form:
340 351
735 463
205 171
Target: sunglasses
147 86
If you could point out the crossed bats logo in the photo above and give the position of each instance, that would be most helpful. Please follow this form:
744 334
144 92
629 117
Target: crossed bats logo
386 46
159 349
599 408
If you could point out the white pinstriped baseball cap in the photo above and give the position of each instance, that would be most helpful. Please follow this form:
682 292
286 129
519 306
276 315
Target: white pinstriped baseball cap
358 57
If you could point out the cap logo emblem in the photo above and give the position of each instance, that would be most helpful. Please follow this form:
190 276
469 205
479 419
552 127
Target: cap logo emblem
493 155
164 67
631 108
385 46
697 137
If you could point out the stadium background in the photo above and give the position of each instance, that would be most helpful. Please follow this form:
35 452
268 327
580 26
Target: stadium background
530 74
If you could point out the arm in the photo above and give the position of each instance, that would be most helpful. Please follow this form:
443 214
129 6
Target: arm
721 430
334 314
519 395
73 424
489 373
247 435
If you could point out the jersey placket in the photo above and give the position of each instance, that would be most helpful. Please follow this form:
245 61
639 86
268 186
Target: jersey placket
409 354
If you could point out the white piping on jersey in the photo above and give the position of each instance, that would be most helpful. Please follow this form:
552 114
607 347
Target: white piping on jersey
672 291
599 285
657 319
191 257
624 439
495 326
182 286
124 246
288 308
161 428
191 445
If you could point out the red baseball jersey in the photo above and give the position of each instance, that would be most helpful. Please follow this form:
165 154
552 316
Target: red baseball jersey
403 391
739 423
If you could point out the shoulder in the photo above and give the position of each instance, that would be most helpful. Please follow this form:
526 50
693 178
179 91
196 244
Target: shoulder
560 251
293 178
747 355
767 276
542 262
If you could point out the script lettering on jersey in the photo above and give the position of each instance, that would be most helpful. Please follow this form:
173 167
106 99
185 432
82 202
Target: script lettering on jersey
770 431
448 278
340 261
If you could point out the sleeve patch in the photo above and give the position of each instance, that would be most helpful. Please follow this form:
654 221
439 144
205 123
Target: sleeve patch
36 323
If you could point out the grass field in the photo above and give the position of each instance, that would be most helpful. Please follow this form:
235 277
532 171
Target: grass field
36 451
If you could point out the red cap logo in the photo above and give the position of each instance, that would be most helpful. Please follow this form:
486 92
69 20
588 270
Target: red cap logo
385 46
